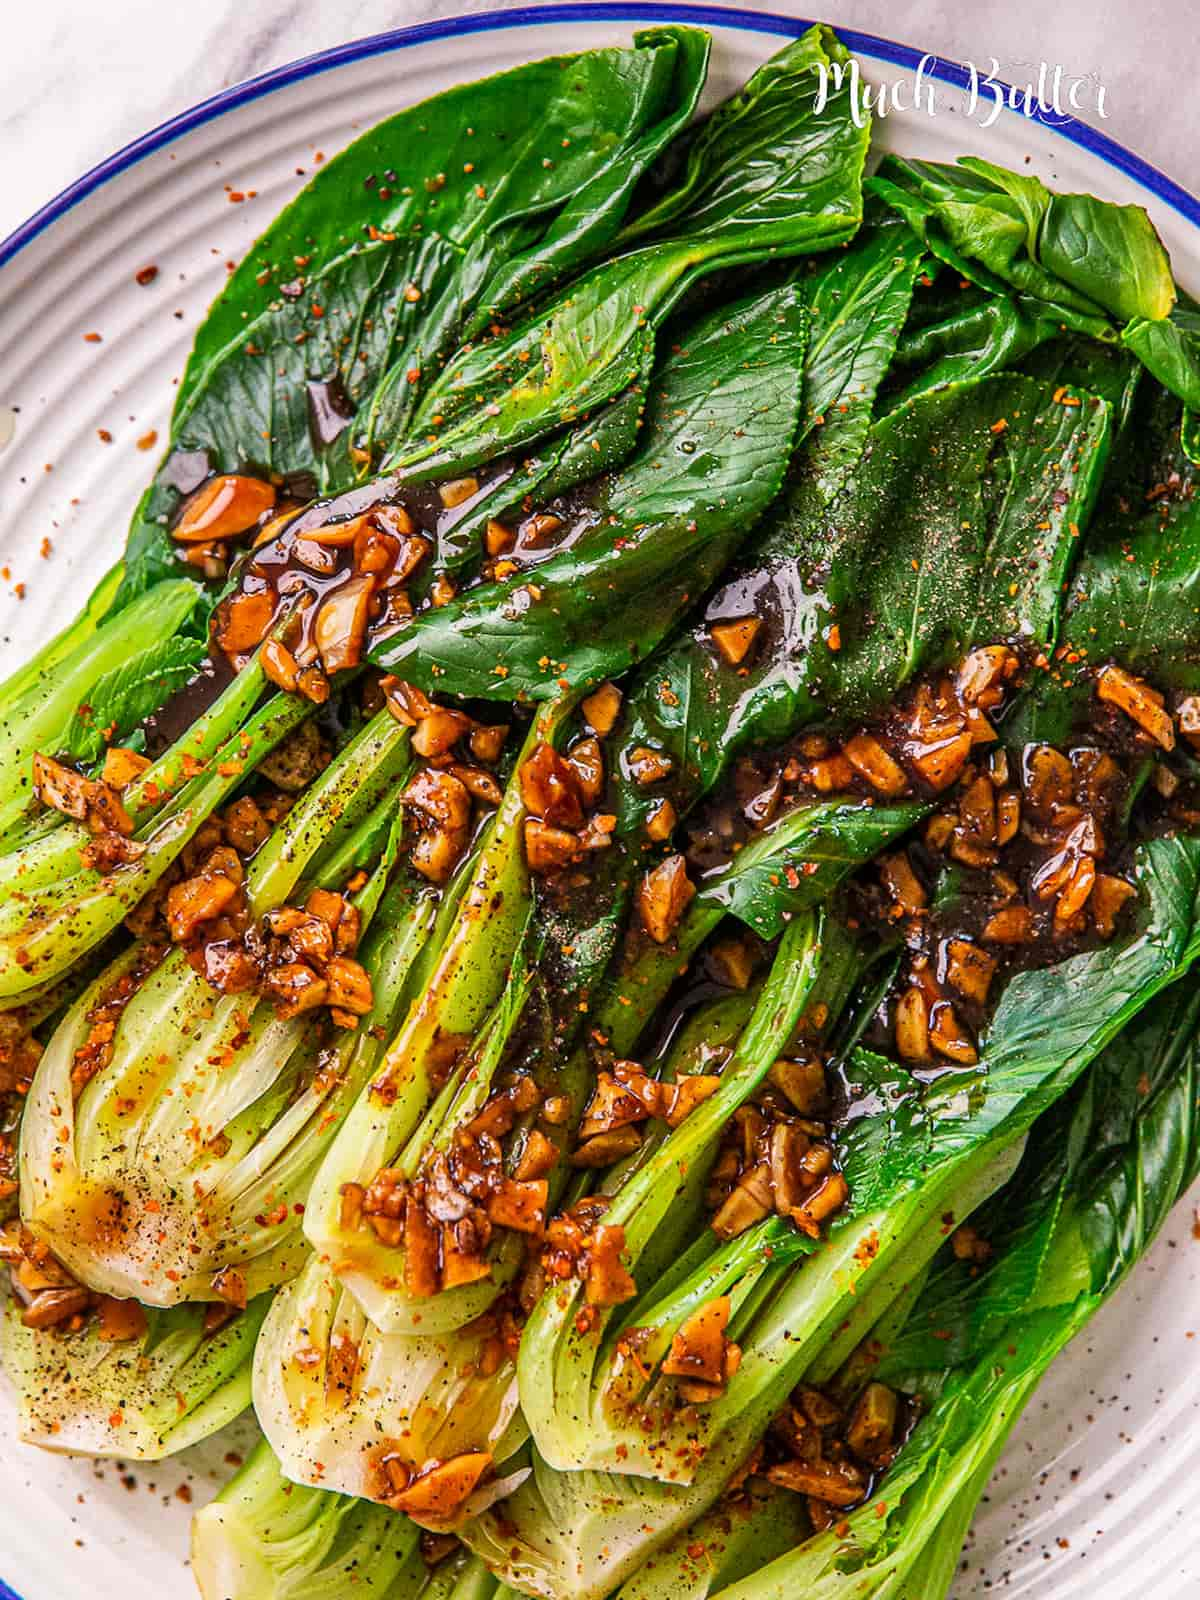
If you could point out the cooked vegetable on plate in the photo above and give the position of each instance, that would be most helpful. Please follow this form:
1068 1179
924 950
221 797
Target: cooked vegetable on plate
597 912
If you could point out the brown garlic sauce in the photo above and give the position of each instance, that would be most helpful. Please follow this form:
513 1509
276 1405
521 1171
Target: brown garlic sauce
275 566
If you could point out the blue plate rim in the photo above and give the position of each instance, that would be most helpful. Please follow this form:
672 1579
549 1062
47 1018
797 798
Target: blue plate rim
940 68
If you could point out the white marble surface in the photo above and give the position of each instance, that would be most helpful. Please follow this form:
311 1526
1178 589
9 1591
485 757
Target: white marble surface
79 78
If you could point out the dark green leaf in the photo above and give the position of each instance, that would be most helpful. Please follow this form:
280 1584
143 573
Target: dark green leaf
127 695
976 333
792 107
573 457
1049 1025
720 420
1109 253
1106 1165
956 527
1170 349
859 303
459 208
1085 256
596 335
801 859
981 232
1135 596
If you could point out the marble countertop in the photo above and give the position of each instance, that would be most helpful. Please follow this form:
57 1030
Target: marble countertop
80 78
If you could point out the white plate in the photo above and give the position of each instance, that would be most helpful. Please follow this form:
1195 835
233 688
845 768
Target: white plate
1096 1490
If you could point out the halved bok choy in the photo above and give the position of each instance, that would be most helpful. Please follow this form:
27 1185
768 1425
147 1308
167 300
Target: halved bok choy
175 1164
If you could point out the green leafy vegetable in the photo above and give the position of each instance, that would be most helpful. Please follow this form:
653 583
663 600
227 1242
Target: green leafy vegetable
800 859
598 335
1135 596
123 698
958 525
138 1398
443 213
801 453
1091 1193
1083 255
1170 349
264 1538
38 710
720 420
914 1157
469 969
858 305
164 1172
64 909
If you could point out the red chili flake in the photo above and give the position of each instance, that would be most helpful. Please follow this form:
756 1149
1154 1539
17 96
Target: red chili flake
46 548
104 436
145 275
148 440
236 197
92 338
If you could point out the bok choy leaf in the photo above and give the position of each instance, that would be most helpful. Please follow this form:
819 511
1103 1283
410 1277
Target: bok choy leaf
960 522
1093 1189
713 446
923 1155
442 214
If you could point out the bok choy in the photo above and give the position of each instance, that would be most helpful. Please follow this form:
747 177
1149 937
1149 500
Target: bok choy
600 914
